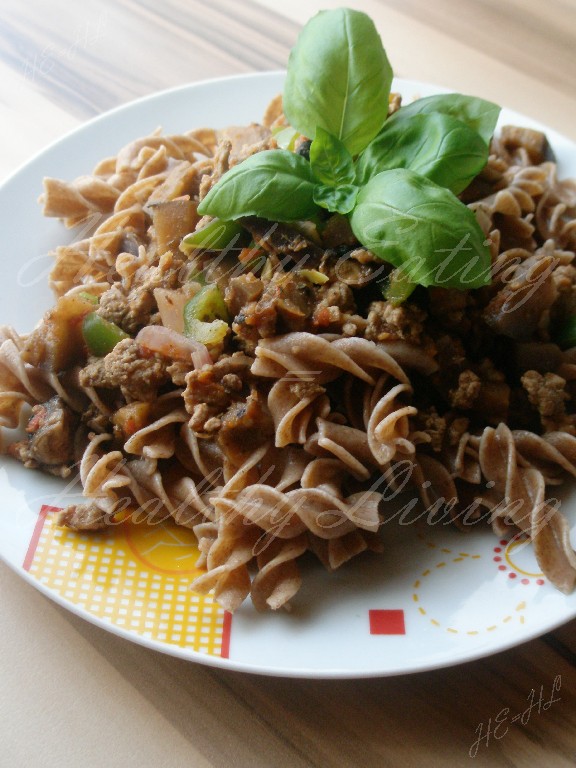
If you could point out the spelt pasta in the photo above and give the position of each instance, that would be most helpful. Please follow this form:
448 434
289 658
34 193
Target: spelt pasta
280 438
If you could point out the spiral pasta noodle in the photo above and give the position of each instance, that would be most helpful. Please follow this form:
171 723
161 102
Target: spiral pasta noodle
320 401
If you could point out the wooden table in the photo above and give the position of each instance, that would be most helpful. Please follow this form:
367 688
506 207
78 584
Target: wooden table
74 695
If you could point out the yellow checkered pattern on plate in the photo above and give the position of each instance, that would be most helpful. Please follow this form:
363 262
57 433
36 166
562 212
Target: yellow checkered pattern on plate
136 577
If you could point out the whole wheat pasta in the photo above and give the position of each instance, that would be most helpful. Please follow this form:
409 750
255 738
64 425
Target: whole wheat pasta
281 436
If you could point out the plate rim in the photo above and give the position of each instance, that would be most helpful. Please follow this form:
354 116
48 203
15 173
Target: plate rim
414 666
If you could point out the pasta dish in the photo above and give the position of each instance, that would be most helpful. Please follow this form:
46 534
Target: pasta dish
277 385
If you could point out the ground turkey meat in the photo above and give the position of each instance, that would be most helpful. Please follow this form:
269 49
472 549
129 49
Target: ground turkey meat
281 239
466 393
138 374
211 390
433 425
51 443
244 428
286 305
334 306
548 395
83 517
388 322
131 310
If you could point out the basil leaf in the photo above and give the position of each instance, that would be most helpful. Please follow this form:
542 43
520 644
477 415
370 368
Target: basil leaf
437 146
338 78
274 184
423 229
330 161
479 115
340 199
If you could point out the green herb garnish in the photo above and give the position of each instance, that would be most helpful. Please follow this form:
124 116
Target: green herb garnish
397 178
275 184
338 79
421 228
439 147
479 115
333 167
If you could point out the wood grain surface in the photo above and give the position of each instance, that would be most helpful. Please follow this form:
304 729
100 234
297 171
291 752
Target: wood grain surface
74 695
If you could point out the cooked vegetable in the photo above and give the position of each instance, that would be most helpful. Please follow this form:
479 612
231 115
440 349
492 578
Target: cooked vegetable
210 334
313 276
215 236
132 417
85 296
286 137
198 277
398 287
57 343
167 342
207 305
172 220
100 335
206 316
171 304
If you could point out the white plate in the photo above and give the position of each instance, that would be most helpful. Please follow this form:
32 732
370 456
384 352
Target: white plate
434 598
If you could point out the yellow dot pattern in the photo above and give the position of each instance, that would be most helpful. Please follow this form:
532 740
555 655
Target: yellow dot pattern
102 573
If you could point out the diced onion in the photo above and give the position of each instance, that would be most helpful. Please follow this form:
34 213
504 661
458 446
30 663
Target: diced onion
170 305
313 276
169 343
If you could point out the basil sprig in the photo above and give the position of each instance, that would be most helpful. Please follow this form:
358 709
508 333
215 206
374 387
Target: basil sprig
401 215
338 79
395 177
275 184
333 166
439 147
478 114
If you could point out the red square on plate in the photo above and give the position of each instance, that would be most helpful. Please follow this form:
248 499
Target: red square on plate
387 622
